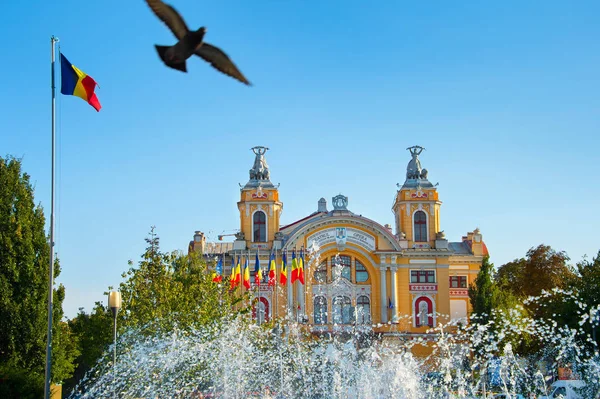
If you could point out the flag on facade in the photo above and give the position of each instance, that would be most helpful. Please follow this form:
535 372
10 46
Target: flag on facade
283 275
232 278
390 305
218 275
246 274
301 266
75 82
272 271
257 272
238 271
294 267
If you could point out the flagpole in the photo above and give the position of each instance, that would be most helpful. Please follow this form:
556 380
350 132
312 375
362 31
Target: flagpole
48 376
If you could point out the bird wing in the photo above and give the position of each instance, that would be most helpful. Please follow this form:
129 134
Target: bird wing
220 61
170 17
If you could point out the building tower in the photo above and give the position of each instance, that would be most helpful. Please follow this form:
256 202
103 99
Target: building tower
259 208
417 208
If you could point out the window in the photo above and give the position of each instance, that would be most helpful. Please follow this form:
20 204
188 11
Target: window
420 226
320 306
259 227
342 310
423 312
361 272
260 310
422 276
363 310
340 267
320 274
458 281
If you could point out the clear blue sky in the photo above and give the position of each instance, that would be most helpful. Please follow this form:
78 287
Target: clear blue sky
504 97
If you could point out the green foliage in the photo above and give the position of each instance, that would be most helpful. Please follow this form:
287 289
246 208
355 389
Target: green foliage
483 293
20 383
24 258
93 333
168 290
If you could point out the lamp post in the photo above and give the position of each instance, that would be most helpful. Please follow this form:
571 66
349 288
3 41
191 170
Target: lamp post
114 302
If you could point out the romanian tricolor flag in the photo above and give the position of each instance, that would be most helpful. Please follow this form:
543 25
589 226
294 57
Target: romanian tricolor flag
75 82
257 272
218 275
232 278
283 274
294 266
238 273
246 274
272 270
301 266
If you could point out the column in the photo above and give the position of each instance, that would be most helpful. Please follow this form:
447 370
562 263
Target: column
383 289
393 270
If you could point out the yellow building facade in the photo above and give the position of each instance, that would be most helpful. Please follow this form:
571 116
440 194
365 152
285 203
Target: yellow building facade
358 273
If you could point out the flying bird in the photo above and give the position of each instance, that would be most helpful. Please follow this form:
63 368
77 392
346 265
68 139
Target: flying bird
190 43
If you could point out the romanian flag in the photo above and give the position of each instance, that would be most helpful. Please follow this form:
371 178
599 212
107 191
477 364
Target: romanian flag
232 278
238 274
257 272
246 274
283 275
301 266
294 266
75 82
218 275
272 270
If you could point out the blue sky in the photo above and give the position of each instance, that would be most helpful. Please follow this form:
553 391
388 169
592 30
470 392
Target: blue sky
503 95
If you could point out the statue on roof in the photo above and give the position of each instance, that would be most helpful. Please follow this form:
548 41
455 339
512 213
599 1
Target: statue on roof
260 169
414 170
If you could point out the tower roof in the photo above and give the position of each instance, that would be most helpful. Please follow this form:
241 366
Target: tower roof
259 174
416 176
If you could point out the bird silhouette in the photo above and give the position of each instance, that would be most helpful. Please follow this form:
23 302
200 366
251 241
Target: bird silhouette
190 43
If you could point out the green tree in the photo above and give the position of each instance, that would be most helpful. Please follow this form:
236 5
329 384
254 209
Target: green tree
483 293
587 284
172 289
93 333
24 259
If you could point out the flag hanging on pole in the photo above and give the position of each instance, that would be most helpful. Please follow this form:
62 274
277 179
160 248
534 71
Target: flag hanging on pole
218 275
246 274
390 305
75 82
232 278
294 267
257 272
272 269
283 275
238 273
301 266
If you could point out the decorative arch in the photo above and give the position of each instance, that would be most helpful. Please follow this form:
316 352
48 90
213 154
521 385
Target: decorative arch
265 303
259 226
420 211
421 305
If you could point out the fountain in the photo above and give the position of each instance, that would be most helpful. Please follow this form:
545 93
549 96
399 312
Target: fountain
235 358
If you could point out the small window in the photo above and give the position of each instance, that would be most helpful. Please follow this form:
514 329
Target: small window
422 276
363 310
320 274
259 226
320 314
458 281
362 274
420 221
342 310
340 267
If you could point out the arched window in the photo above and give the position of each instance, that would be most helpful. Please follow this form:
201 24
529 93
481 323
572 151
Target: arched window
260 310
320 314
320 273
420 221
423 312
362 274
340 267
342 310
363 310
259 227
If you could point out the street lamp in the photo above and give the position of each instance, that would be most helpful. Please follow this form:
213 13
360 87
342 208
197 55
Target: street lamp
114 302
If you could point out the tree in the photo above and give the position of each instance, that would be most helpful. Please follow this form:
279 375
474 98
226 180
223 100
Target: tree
483 293
170 290
587 284
24 263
